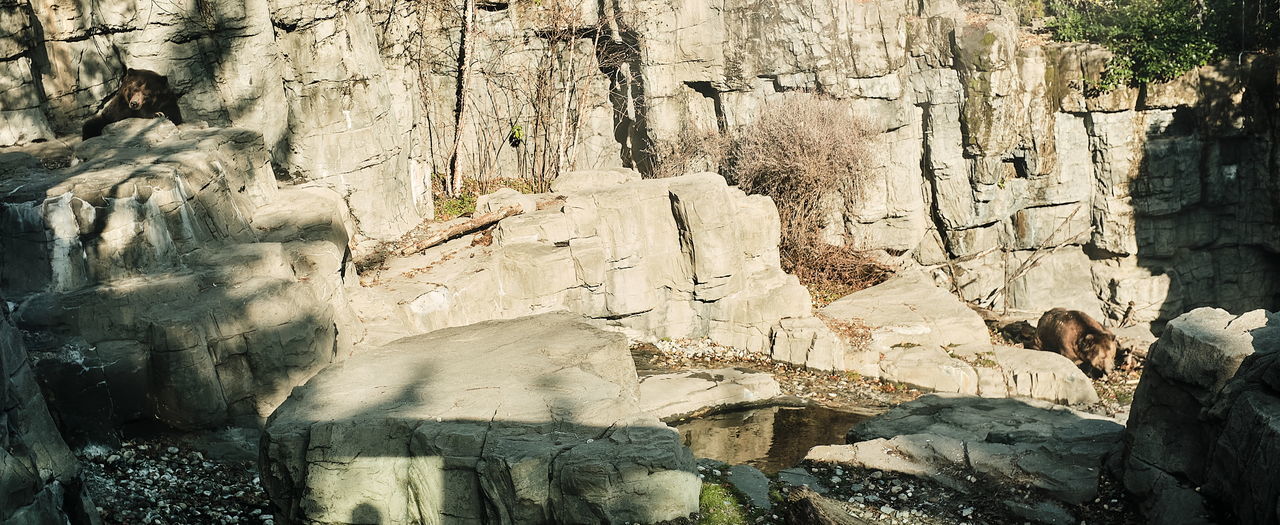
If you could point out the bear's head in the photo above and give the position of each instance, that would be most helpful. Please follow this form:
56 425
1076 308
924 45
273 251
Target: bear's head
1100 350
143 90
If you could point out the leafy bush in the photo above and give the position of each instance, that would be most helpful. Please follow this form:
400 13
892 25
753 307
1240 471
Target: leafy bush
801 152
448 208
1156 40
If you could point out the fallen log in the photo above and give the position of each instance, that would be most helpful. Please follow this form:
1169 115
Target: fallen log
476 222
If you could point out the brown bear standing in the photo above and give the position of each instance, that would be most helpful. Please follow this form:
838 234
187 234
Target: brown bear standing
1078 337
142 94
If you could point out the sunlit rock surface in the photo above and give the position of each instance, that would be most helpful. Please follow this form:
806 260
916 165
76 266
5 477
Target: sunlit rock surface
924 336
531 420
1007 447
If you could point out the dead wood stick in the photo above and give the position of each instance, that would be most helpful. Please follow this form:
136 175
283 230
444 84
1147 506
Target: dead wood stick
475 223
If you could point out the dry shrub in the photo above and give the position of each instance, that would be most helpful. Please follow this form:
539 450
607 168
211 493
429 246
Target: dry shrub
799 151
831 272
694 151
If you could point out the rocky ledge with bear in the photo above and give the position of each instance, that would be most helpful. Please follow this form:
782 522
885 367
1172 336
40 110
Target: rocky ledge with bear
142 94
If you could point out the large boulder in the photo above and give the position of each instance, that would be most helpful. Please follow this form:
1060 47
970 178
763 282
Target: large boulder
531 420
166 275
924 336
40 479
908 311
1205 421
989 446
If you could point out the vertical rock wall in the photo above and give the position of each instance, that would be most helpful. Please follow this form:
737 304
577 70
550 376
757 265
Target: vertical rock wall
992 167
39 477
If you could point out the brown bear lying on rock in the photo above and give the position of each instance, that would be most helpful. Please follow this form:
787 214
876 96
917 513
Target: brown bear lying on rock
142 94
1078 337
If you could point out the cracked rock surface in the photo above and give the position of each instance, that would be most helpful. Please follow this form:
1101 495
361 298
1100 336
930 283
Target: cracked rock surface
528 420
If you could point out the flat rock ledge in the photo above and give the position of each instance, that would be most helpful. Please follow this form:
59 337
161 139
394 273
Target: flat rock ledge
530 420
680 393
1051 454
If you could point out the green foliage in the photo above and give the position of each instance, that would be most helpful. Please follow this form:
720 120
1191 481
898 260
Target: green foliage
465 203
1152 40
719 506
1028 9
453 207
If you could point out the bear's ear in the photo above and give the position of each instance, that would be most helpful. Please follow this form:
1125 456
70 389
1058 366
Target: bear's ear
129 71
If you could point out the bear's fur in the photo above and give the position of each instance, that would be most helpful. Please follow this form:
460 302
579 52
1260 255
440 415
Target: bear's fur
1078 337
142 94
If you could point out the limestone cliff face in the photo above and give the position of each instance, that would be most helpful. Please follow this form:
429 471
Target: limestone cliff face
993 167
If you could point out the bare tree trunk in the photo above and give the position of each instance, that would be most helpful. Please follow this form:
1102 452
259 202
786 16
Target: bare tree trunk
569 86
454 186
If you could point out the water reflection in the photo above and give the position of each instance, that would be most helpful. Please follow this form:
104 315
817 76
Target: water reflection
769 438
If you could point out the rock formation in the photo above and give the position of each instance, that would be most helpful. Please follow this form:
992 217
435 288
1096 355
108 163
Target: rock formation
1033 455
1205 422
1034 196
923 336
165 275
996 172
426 429
680 257
39 477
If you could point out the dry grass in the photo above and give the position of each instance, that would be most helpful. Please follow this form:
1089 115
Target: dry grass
800 151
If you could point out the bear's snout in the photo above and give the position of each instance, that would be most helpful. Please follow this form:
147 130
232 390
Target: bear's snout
135 102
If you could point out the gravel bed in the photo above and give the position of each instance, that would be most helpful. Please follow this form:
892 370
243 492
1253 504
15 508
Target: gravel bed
162 481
